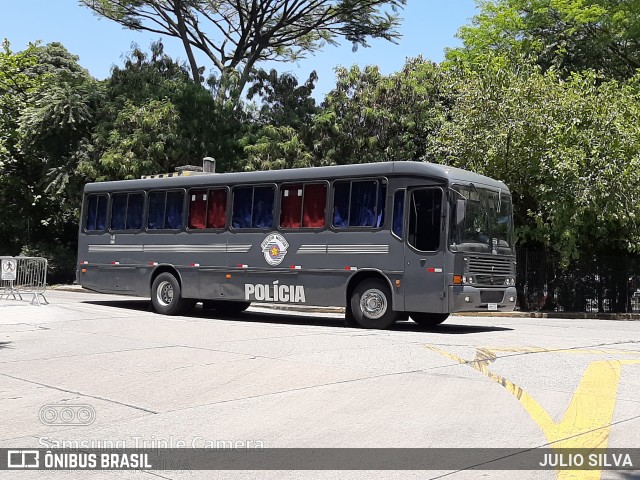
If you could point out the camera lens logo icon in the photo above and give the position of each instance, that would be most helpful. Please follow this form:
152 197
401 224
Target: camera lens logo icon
67 415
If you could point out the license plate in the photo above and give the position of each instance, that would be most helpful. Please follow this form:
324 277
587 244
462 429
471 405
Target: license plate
492 306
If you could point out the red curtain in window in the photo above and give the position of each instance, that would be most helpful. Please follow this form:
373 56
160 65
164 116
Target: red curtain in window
197 208
291 206
315 201
217 214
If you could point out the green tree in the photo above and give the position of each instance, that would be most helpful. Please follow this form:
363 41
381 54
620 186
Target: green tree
569 151
283 101
568 35
369 117
237 35
47 111
154 118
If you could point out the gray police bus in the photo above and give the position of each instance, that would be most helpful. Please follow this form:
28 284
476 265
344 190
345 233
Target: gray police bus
385 240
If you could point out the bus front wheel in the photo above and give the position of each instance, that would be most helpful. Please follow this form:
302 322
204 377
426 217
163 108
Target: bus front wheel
166 295
429 319
371 305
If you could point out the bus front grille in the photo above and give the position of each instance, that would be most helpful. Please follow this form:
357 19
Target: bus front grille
490 266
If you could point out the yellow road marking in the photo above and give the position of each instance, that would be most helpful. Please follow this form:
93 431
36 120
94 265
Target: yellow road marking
587 420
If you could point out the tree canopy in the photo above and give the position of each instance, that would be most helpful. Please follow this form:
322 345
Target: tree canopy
235 35
567 35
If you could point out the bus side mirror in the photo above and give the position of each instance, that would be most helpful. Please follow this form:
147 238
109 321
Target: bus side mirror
461 208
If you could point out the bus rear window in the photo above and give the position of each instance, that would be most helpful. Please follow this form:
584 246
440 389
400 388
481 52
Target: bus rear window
165 210
303 205
359 203
253 207
208 209
126 211
96 213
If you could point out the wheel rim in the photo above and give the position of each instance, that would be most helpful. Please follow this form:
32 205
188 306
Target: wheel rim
373 303
165 293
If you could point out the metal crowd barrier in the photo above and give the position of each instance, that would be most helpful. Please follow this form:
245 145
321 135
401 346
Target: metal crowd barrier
23 276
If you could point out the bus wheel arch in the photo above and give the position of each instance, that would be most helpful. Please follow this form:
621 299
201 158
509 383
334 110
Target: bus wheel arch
374 289
166 292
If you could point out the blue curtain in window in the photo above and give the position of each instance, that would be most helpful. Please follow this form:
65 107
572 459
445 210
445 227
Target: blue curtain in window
134 211
262 207
101 215
341 204
118 211
241 216
173 211
398 212
363 203
382 197
92 202
155 218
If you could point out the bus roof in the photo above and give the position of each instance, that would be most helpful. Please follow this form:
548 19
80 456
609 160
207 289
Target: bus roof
445 173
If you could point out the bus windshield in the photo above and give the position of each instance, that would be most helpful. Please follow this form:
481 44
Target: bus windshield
487 225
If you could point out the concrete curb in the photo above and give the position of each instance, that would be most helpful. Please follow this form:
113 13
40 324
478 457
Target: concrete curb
313 309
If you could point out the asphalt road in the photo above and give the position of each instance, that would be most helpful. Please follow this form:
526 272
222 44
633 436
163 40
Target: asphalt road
268 379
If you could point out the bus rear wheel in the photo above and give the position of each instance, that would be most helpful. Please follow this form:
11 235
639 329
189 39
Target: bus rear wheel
225 306
371 305
428 319
166 296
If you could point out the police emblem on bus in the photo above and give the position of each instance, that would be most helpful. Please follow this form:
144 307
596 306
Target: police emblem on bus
274 248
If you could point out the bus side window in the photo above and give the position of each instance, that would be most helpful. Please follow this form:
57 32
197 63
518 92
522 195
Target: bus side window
398 213
359 203
197 209
217 208
135 207
424 219
262 216
126 211
118 211
155 216
291 206
173 210
242 200
315 202
207 209
253 207
303 205
341 192
382 197
96 219
165 210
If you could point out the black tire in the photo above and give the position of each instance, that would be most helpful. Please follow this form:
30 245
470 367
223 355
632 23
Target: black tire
428 319
166 295
371 305
225 307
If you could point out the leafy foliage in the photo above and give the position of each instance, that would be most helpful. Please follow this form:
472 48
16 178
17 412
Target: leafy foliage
237 35
568 35
154 118
569 151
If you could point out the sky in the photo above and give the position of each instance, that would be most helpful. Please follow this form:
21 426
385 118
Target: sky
427 28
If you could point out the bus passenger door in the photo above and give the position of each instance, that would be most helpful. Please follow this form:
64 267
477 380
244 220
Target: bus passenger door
424 276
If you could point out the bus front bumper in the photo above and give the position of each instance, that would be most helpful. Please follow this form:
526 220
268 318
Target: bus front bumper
468 298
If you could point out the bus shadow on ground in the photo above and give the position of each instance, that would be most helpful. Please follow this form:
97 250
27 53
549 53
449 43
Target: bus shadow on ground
288 318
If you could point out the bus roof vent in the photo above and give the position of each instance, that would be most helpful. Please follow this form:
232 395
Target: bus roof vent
208 167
